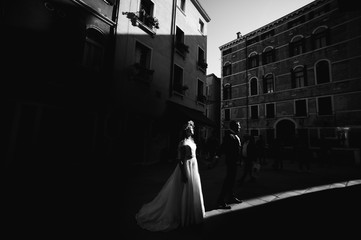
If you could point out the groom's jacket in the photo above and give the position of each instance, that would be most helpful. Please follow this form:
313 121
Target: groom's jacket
230 147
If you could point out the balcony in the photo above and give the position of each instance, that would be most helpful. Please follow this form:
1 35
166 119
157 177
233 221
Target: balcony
144 21
202 65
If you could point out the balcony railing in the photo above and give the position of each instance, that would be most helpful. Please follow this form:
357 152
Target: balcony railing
202 65
143 20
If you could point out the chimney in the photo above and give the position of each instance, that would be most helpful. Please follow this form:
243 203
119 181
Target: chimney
239 35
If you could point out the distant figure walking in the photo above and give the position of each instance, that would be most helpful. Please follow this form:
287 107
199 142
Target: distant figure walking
302 154
261 150
180 201
249 157
277 153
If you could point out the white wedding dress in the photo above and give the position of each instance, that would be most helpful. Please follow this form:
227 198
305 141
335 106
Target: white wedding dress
178 204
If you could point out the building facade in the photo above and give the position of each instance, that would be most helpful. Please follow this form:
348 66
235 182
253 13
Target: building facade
57 64
160 76
213 106
298 78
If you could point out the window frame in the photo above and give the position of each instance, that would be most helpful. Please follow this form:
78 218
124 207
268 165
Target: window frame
319 71
296 110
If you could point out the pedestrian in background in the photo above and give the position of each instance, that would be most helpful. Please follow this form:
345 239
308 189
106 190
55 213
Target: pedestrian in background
249 157
261 150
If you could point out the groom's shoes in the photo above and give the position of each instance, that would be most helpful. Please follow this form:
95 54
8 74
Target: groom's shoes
235 200
224 206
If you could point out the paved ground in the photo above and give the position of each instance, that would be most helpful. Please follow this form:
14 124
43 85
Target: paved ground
100 202
325 200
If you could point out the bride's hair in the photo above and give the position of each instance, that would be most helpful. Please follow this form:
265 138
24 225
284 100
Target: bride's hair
189 124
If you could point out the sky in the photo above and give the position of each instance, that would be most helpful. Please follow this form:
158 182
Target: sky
231 16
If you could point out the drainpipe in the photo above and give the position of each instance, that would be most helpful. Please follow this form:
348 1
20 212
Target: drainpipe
172 36
247 86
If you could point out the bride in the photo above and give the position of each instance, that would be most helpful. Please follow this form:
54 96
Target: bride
180 201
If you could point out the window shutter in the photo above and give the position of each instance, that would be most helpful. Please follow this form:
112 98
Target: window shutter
293 81
305 75
264 84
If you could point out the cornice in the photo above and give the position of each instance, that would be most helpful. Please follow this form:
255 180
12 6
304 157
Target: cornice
274 23
94 12
201 10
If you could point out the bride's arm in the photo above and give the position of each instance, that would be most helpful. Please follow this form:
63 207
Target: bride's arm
185 154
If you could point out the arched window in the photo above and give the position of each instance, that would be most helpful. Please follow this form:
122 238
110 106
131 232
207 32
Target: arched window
227 91
320 37
268 83
227 69
299 77
322 72
268 55
253 60
93 49
297 45
253 86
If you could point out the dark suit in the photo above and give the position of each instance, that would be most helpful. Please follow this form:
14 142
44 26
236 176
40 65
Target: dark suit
230 147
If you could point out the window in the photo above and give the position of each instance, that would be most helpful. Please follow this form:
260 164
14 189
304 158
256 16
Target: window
269 55
227 91
322 72
201 60
142 73
253 86
142 55
268 84
182 5
93 50
180 46
270 110
201 97
324 105
297 46
320 37
178 80
201 26
299 77
146 13
254 112
227 69
253 60
301 108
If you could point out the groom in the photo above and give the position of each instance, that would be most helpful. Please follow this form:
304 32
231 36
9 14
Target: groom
230 147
